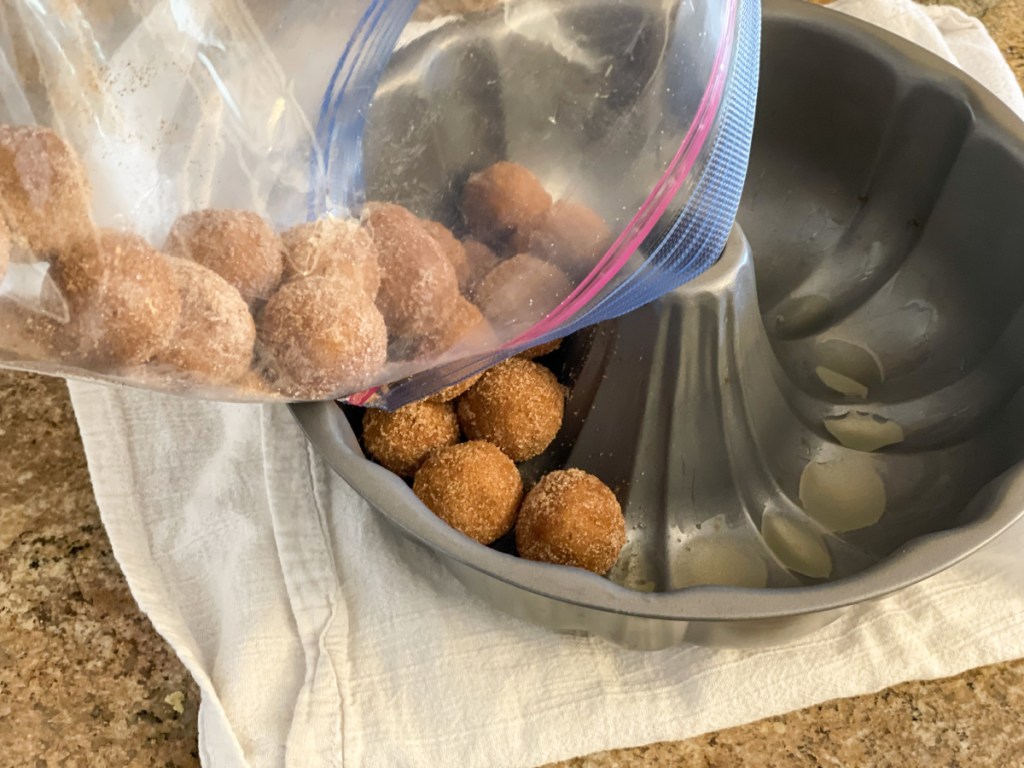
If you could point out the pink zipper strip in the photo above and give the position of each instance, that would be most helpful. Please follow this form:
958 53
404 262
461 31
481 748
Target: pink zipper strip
652 209
654 206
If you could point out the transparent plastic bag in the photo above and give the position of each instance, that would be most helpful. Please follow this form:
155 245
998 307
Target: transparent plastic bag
251 199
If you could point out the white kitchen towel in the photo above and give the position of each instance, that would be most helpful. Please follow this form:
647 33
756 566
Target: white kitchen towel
319 637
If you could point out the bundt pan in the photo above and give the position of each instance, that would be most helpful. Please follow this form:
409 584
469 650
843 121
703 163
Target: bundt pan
832 412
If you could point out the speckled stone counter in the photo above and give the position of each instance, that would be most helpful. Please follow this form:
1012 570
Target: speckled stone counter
85 681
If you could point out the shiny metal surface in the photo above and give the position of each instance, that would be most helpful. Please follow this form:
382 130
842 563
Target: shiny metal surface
884 259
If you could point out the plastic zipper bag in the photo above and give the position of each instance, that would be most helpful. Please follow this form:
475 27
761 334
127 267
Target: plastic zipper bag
263 200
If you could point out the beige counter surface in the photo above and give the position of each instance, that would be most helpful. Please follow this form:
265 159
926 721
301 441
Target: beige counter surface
85 681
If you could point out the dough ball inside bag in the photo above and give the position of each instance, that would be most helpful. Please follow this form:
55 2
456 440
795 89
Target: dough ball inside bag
122 298
29 336
464 327
502 205
521 291
480 260
213 341
238 245
44 196
466 330
337 248
318 338
571 236
453 250
418 285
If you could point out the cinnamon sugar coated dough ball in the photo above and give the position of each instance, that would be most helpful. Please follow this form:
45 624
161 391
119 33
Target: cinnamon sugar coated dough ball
517 405
44 196
521 291
238 245
321 338
252 387
418 285
503 203
338 248
540 350
455 390
469 330
571 518
453 250
401 440
215 334
473 487
571 236
27 335
121 297
464 327
41 332
481 260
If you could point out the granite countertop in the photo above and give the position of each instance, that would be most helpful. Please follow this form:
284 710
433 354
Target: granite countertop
85 680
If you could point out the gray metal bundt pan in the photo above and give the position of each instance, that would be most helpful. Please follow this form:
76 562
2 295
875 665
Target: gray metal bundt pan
883 211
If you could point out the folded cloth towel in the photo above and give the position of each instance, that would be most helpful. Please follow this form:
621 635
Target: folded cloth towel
319 637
